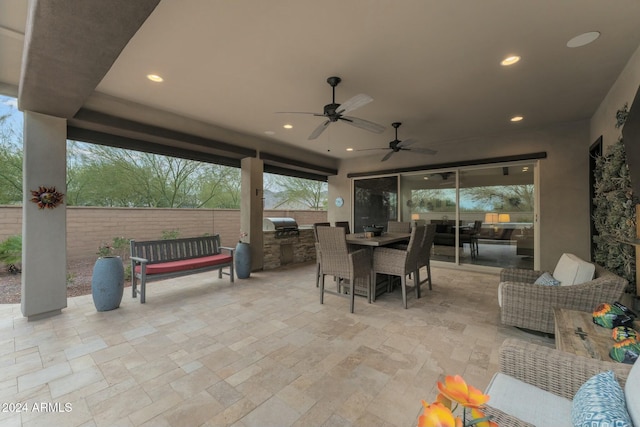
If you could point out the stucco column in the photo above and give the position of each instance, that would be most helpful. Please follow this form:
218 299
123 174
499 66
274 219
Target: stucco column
251 208
44 231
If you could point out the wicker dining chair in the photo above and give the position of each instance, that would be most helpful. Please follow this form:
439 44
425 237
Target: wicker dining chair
318 255
399 262
347 267
345 225
424 257
398 227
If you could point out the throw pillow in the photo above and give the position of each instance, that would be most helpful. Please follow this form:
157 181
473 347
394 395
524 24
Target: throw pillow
600 403
547 279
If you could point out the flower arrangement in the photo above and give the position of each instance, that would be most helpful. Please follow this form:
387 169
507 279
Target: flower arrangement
455 391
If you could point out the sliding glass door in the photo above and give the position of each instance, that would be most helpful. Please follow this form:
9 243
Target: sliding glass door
375 202
483 216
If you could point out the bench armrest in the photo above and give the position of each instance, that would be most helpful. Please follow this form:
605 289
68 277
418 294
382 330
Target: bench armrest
139 260
227 248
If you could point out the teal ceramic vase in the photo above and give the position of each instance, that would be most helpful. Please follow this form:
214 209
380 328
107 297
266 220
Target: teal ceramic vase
242 259
107 283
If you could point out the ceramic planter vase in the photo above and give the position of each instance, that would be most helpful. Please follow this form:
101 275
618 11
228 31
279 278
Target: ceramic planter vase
107 283
242 259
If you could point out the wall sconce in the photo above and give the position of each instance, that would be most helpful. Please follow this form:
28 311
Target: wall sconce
415 216
504 218
490 218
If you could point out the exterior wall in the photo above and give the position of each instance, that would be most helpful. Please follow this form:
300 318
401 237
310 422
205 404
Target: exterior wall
564 194
88 227
623 90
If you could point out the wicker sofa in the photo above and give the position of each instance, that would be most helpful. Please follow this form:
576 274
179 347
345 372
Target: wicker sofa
530 306
536 385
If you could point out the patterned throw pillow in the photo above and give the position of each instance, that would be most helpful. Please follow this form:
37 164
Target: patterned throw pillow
546 279
600 403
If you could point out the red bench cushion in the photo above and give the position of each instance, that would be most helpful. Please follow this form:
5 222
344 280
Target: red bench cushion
187 264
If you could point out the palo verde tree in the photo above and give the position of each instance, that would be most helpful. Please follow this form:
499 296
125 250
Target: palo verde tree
10 162
304 192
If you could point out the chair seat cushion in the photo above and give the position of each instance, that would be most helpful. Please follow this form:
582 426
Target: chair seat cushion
571 270
528 403
187 264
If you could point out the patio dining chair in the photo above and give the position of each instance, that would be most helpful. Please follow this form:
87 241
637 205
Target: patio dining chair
348 268
399 262
424 257
345 225
398 227
315 235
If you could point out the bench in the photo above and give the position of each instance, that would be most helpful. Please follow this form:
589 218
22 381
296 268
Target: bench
162 259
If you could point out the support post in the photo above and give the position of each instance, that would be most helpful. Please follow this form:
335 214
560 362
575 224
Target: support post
44 231
252 207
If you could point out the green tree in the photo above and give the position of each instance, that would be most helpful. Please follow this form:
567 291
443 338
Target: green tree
10 162
309 193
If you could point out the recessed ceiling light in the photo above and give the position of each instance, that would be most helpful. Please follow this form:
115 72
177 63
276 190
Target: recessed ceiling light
349 149
510 60
583 39
269 132
155 78
288 126
516 118
525 168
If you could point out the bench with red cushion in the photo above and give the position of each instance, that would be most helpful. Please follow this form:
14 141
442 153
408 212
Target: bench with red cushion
162 259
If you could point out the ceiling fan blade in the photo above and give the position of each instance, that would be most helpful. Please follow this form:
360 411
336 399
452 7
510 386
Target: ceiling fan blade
363 124
386 156
406 142
353 103
298 112
317 131
422 150
369 149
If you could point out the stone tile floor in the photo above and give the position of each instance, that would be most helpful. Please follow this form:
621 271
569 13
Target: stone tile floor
261 352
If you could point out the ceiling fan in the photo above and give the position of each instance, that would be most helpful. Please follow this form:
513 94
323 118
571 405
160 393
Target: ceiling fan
397 145
334 112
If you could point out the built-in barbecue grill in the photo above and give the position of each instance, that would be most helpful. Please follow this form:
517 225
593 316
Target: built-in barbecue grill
283 227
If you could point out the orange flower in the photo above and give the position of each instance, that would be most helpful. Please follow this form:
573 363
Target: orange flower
477 414
437 415
455 388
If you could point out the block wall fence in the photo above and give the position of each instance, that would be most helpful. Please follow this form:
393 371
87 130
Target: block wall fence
89 227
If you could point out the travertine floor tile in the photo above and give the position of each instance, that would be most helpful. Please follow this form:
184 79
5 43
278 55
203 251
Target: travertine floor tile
260 352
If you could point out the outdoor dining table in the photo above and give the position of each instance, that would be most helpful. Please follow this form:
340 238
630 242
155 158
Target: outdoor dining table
372 242
382 240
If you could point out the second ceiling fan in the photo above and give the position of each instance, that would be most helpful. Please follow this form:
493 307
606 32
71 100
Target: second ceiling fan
397 145
334 112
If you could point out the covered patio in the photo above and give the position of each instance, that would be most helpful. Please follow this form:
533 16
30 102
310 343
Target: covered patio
260 352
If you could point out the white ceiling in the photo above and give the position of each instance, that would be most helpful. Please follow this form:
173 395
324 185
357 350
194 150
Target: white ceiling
431 64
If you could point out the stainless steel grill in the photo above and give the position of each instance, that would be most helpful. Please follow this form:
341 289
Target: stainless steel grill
283 227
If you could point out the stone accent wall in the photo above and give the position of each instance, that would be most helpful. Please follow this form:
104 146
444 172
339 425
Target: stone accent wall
302 248
88 227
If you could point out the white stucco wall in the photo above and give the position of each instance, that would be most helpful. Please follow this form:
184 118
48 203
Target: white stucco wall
623 90
564 201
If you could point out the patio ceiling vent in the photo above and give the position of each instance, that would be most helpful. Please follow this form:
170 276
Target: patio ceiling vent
283 227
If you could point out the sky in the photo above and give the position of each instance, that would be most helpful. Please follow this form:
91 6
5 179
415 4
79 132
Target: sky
9 106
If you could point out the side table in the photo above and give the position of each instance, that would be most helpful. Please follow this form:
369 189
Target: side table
576 333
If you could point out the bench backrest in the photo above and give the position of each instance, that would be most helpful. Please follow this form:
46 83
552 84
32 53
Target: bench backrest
157 251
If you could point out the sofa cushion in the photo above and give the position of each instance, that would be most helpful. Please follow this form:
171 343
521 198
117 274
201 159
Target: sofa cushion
632 394
571 270
600 402
546 279
528 403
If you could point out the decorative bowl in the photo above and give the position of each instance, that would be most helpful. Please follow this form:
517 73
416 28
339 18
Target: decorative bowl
375 229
